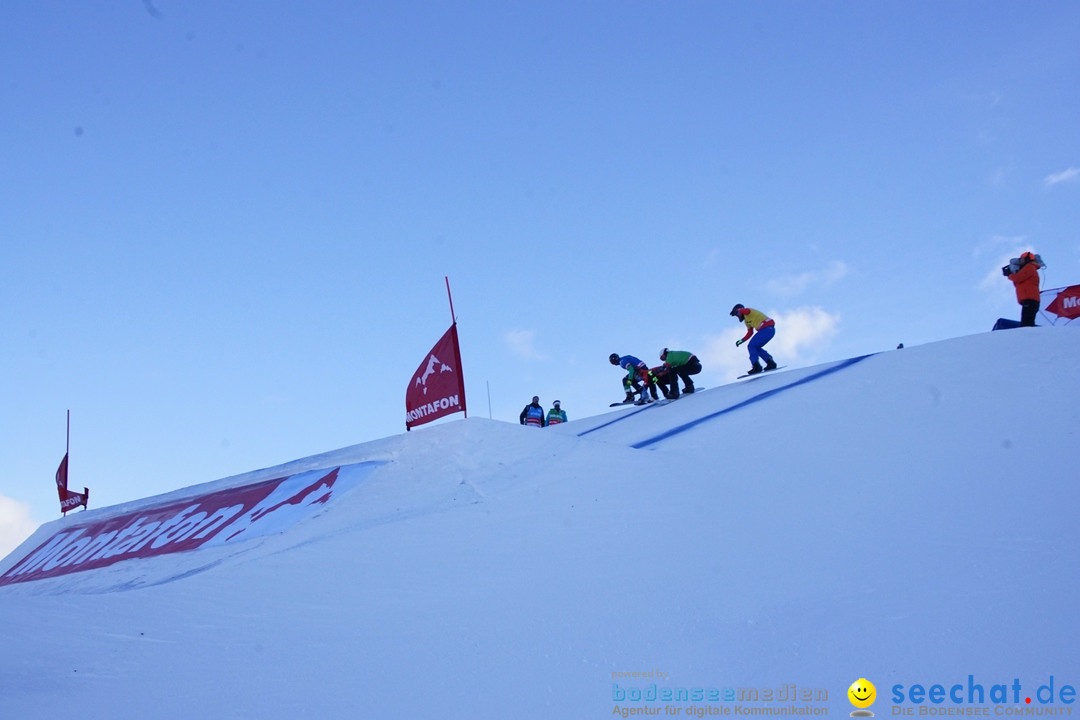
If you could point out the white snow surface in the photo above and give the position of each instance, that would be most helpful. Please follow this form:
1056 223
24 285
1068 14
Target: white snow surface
909 517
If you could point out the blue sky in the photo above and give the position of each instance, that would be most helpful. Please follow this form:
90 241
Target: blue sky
227 224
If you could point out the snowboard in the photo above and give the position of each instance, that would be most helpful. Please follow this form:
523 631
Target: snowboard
658 401
763 372
633 402
666 400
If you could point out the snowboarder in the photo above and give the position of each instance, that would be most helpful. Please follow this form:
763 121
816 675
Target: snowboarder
635 370
663 376
1024 273
533 414
556 415
756 321
682 365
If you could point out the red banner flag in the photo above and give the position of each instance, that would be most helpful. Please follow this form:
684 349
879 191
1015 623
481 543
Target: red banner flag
437 387
69 500
1062 303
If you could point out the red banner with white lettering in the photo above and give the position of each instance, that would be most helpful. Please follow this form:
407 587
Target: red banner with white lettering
69 500
437 388
1059 306
226 516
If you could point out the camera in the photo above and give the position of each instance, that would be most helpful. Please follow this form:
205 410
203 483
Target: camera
1007 270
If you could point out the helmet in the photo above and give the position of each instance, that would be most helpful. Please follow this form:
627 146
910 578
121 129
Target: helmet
613 358
663 354
735 310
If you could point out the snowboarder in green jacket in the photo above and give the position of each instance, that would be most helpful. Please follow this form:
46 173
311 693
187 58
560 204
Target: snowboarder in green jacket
683 364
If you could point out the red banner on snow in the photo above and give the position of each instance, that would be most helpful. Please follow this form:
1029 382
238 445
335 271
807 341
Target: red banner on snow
226 516
437 388
69 500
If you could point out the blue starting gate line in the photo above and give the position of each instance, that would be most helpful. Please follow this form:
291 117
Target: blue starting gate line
749 401
618 419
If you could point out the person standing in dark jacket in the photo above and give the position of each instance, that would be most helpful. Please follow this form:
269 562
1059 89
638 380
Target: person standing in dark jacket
533 414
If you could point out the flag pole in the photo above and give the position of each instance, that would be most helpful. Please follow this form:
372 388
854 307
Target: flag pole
66 463
457 344
453 320
67 457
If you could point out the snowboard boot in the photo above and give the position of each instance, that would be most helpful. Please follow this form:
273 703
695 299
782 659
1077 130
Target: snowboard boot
770 365
688 389
629 397
754 370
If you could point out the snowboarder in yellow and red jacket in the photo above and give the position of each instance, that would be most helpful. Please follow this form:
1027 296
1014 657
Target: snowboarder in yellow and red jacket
765 327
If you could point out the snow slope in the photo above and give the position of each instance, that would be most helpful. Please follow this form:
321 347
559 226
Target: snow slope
909 517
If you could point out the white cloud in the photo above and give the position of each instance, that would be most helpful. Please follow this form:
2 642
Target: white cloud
1060 177
995 243
795 284
15 524
804 332
1002 243
721 357
520 343
994 283
801 335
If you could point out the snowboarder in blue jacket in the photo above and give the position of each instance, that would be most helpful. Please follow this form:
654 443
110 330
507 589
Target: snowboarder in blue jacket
636 371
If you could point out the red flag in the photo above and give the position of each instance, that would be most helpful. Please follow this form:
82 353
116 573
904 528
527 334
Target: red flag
437 387
1066 302
68 500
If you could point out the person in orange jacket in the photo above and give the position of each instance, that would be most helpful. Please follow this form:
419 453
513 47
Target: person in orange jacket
1024 273
756 321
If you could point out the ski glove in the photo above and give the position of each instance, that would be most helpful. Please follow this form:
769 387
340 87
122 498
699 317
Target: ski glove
738 343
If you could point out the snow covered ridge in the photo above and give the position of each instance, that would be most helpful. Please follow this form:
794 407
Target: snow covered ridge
226 516
909 519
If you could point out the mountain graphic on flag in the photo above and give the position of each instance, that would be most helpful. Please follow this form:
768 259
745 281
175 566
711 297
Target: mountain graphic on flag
432 363
437 388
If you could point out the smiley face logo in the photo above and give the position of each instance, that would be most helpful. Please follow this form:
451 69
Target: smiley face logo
862 693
